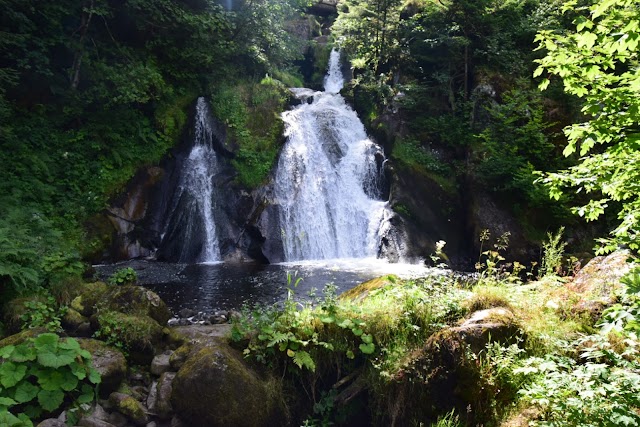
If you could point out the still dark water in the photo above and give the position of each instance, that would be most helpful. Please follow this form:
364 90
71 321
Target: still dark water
210 287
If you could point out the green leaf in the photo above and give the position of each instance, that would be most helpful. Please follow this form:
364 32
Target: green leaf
79 370
26 392
50 400
52 359
357 331
350 354
23 353
87 396
367 338
5 401
5 352
69 381
94 376
11 374
46 341
50 379
70 344
367 348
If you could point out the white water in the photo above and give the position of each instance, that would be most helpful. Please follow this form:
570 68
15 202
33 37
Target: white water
192 217
327 179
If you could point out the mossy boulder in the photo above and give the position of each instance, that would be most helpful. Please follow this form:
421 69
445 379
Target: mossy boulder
135 300
75 323
88 296
445 372
22 336
216 387
138 334
363 290
108 361
129 407
15 309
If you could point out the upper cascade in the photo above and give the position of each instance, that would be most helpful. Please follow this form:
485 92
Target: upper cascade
328 179
190 232
334 80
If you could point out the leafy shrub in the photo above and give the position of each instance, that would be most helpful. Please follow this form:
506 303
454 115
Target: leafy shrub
592 393
124 276
42 375
43 314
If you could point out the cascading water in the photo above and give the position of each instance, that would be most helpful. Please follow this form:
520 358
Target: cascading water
327 180
191 228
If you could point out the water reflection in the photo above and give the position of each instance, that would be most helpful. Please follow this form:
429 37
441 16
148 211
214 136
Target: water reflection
210 287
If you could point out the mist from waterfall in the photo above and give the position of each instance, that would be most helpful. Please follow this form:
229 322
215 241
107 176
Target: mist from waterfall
327 180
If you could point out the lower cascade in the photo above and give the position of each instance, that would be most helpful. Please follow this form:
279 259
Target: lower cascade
190 230
328 178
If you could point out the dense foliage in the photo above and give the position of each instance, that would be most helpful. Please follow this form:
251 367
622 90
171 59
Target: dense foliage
42 375
598 61
92 90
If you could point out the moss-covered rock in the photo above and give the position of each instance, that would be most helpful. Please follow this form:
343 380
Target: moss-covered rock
88 296
21 337
446 372
360 292
129 407
15 309
139 335
108 361
75 323
216 387
135 300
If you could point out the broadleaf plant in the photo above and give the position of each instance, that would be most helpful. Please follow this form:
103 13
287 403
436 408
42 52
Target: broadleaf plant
43 375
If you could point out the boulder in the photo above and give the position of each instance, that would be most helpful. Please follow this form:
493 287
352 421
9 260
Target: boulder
160 364
138 334
129 407
484 326
159 400
445 371
108 361
22 336
93 422
601 276
88 296
216 387
136 300
75 323
362 291
52 422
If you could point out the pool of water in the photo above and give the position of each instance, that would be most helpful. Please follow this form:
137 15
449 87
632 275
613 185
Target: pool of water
224 286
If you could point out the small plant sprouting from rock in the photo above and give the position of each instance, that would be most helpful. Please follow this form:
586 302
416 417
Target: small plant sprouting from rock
124 276
42 375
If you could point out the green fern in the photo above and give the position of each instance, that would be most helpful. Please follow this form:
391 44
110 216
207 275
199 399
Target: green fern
304 360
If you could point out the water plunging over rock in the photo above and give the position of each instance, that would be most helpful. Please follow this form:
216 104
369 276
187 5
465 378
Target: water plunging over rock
328 179
190 232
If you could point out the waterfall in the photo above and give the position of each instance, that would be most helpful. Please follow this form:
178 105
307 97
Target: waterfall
190 232
327 180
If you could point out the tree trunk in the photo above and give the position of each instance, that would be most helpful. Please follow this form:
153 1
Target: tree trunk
79 53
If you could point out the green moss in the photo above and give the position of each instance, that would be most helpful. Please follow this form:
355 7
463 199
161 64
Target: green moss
128 332
360 292
135 300
88 296
251 110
